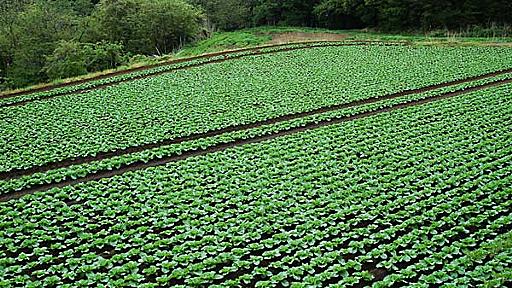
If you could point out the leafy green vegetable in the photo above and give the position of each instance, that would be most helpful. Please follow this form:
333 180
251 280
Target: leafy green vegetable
396 198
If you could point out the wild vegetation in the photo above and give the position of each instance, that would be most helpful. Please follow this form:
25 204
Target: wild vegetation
42 41
45 40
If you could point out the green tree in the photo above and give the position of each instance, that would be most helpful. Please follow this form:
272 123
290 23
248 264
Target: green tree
284 12
103 55
345 14
9 33
39 27
400 15
147 26
71 58
173 23
67 60
30 31
225 14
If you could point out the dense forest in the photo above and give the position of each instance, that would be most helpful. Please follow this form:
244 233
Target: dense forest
42 40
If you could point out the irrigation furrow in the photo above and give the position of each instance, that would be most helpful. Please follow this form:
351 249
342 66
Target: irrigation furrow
178 223
224 146
222 220
178 282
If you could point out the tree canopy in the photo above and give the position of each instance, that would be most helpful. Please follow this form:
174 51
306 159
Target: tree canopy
392 15
45 40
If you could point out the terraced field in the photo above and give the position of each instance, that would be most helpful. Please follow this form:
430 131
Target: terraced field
314 165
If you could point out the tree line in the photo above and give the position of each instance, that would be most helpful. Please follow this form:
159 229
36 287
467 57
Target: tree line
387 15
42 40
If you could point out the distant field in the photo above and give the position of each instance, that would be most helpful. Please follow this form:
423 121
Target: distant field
341 164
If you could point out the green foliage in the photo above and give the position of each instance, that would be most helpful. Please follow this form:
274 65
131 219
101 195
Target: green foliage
71 58
400 15
67 60
336 14
147 27
492 32
45 40
158 69
36 29
400 195
490 250
172 150
219 41
288 12
104 55
354 73
32 31
394 15
225 14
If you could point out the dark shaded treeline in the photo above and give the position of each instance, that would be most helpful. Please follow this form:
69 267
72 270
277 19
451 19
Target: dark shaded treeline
391 15
42 40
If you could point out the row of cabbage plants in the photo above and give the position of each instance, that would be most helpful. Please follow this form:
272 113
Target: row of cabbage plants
72 172
396 198
179 64
226 94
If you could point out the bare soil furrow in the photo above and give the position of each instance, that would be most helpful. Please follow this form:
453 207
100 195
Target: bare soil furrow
224 146
12 174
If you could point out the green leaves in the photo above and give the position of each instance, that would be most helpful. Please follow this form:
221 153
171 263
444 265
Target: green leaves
357 202
41 132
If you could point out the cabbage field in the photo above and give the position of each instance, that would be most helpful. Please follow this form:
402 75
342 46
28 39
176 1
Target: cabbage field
314 165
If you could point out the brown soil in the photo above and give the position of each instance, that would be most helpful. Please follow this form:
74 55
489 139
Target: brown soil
290 37
224 146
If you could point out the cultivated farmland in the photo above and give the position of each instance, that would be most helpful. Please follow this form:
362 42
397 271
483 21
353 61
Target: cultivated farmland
347 164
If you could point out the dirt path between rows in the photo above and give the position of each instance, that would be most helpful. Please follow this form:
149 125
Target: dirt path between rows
16 173
224 146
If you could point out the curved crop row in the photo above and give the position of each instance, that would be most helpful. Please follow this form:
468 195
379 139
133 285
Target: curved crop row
151 157
347 202
123 76
225 94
